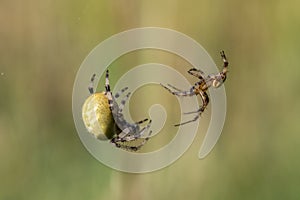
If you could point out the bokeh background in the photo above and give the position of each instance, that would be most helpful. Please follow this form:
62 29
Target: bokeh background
43 43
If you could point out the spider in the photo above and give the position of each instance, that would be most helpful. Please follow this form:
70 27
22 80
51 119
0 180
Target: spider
200 88
104 119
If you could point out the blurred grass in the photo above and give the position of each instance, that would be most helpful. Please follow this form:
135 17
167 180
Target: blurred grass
42 46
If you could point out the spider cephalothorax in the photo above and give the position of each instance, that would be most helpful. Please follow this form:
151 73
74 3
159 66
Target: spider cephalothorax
104 119
200 88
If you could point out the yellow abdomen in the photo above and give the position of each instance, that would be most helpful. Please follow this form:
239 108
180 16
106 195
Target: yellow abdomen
97 116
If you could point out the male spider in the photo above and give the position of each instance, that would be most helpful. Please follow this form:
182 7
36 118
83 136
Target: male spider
104 119
200 87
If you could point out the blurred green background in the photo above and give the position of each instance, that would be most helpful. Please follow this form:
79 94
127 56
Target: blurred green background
42 46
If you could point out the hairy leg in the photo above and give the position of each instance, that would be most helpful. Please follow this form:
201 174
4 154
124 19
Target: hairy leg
91 85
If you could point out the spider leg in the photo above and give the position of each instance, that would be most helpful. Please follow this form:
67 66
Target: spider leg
141 132
123 102
144 141
197 73
181 93
118 94
130 137
130 131
216 80
142 121
225 67
225 61
91 85
121 122
108 92
192 112
124 135
127 137
175 88
183 123
205 101
127 147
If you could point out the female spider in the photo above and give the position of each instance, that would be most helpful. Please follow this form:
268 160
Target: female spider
104 119
201 87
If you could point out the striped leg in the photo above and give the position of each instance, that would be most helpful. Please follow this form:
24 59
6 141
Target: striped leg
132 132
118 94
120 142
123 102
108 92
218 79
225 67
126 132
143 130
91 85
125 146
180 93
183 123
197 73
225 61
205 101
142 121
175 88
128 147
144 141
